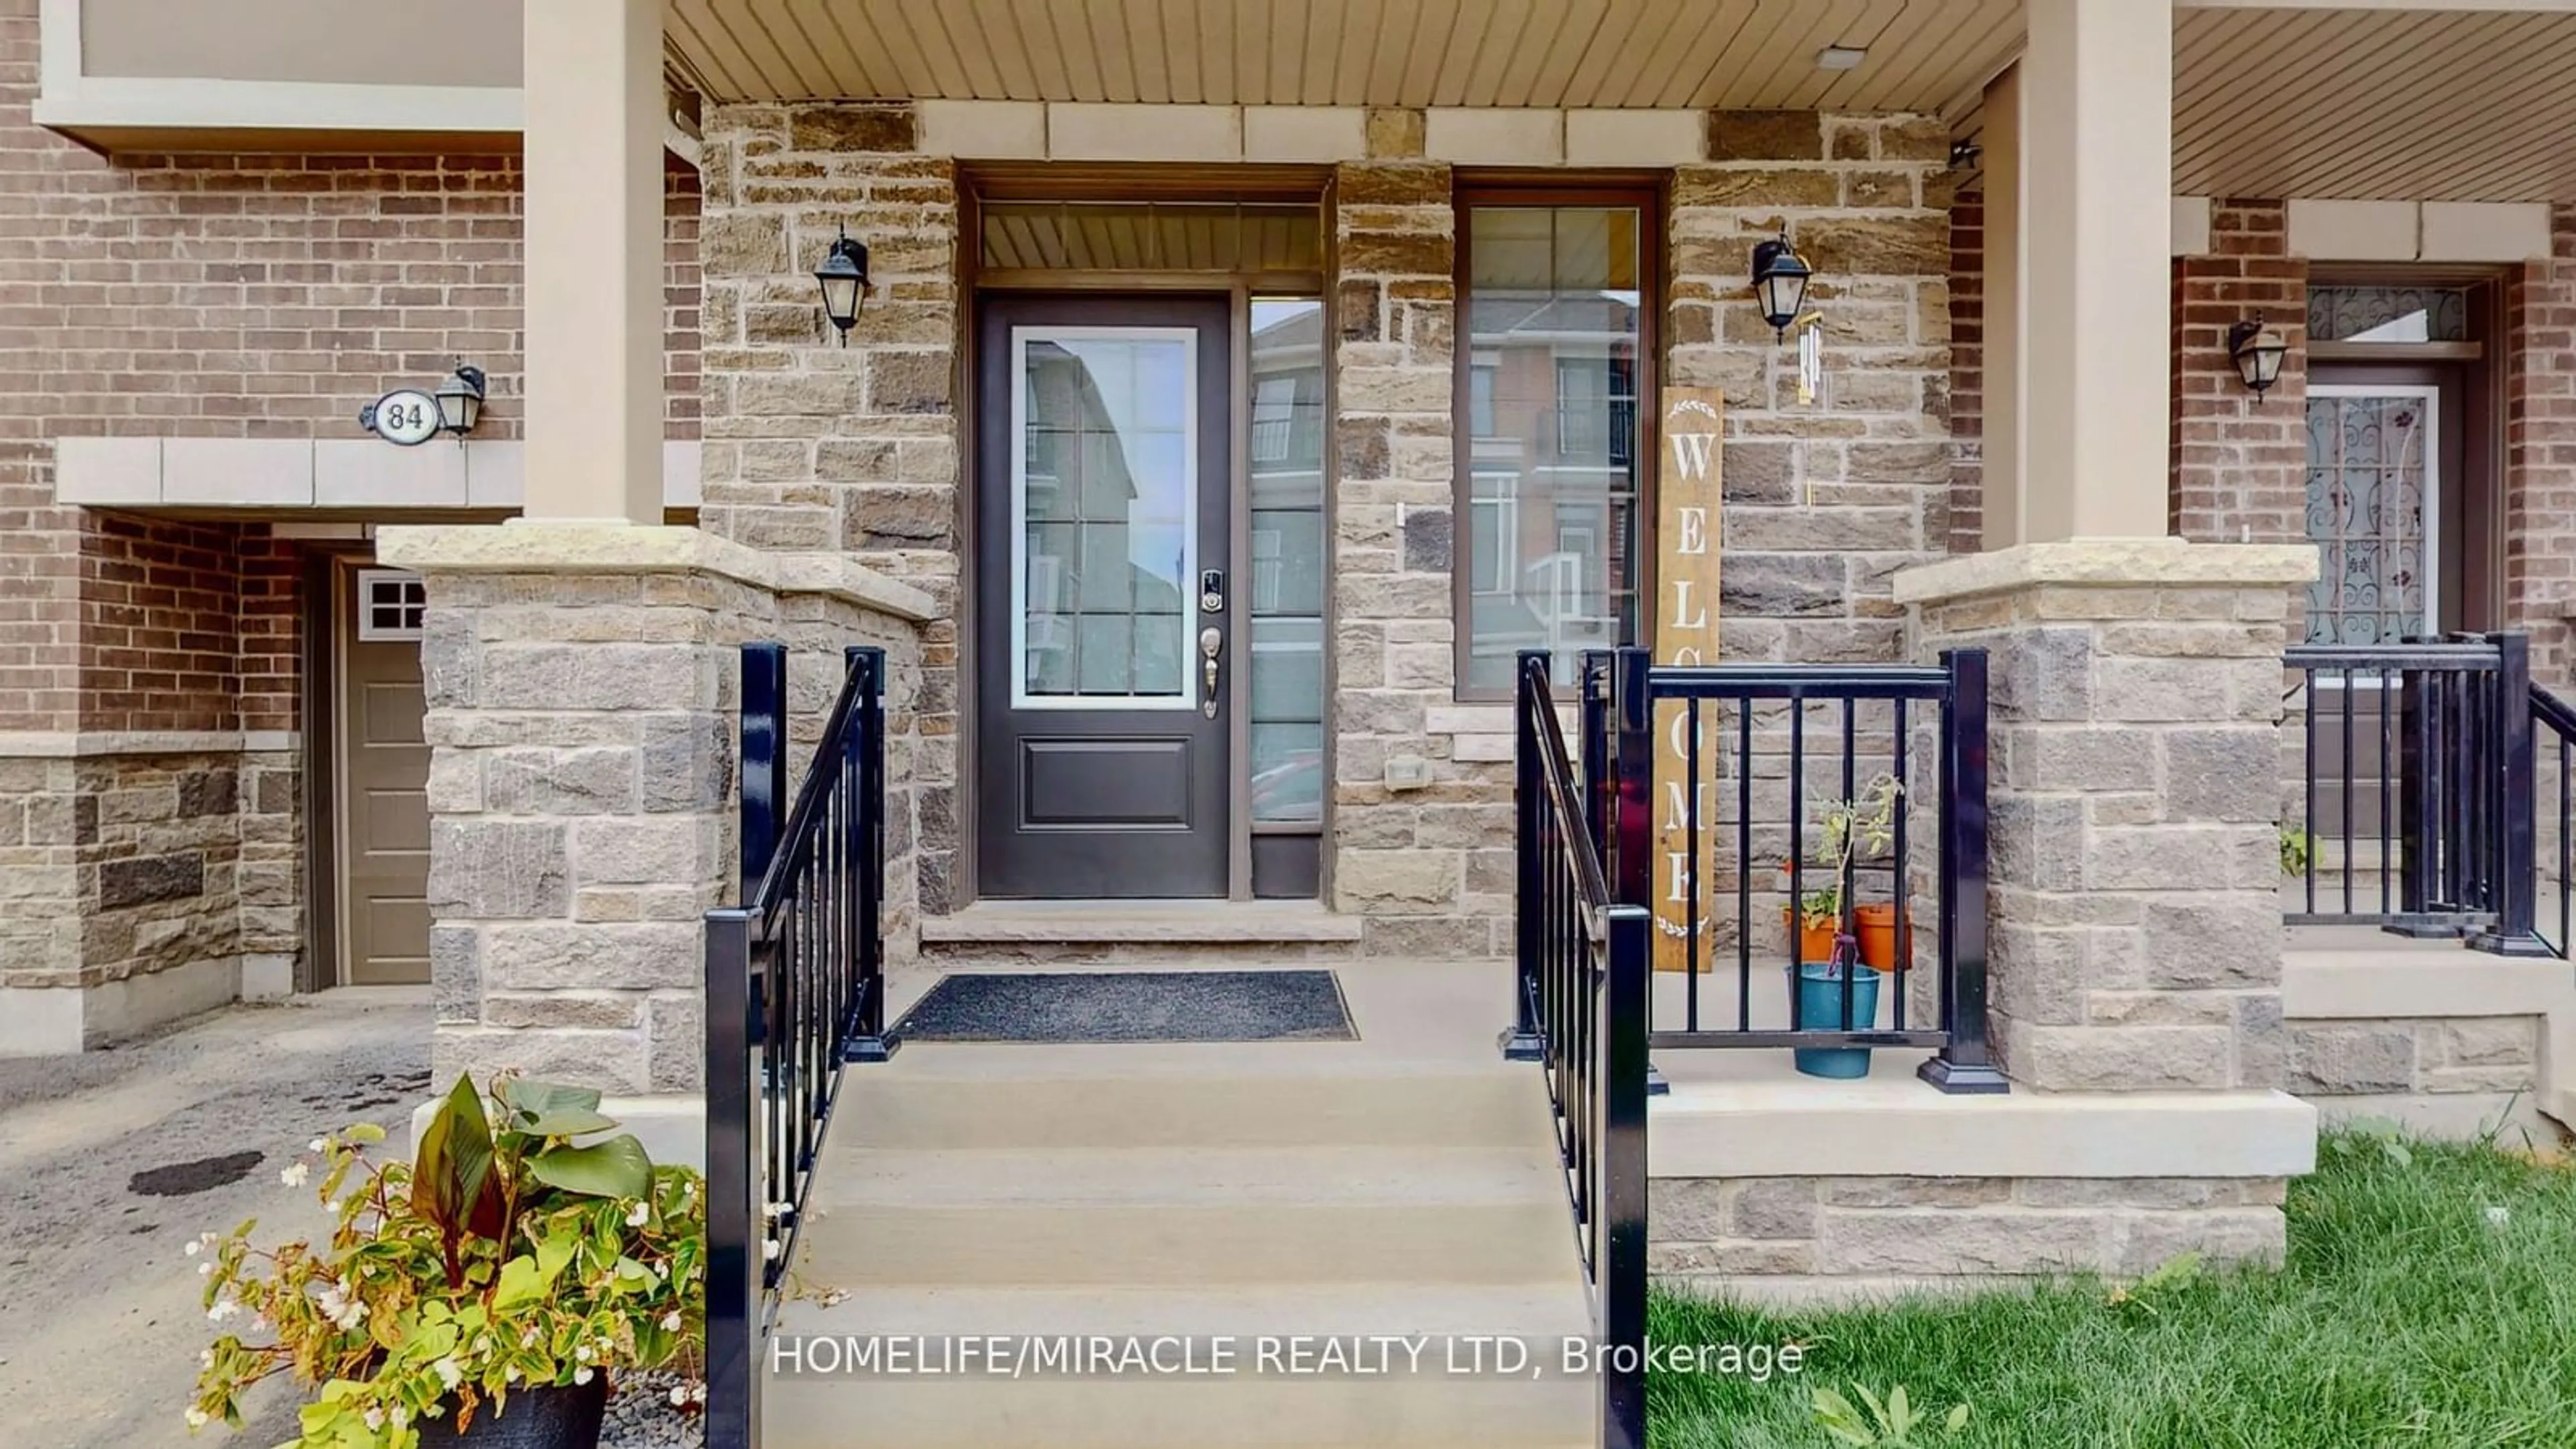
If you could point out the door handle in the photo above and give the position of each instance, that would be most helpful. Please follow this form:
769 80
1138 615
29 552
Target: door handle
1211 645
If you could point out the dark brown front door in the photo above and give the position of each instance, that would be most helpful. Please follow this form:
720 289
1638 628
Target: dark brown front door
1103 643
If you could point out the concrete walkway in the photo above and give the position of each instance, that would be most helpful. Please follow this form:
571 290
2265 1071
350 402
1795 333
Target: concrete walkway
111 1161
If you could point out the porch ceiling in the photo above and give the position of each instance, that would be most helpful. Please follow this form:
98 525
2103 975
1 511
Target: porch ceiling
1924 54
2375 104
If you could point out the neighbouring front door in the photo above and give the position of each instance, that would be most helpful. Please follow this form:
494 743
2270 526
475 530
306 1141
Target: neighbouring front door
383 783
1103 640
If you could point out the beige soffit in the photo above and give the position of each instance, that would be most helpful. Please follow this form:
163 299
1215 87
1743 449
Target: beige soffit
1443 53
269 474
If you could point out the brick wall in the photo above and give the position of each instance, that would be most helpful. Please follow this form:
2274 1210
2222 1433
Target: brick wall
2239 464
1967 372
2540 451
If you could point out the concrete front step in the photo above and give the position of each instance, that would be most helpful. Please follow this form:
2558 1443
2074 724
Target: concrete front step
1191 1096
1436 1398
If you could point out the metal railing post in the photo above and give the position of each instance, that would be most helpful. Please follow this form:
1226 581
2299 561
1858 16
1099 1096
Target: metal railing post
868 1040
1966 1063
1619 1274
1592 714
1523 1041
764 758
2513 790
1632 766
735 1226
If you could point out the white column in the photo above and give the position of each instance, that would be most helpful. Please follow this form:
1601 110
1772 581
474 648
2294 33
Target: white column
594 261
2090 247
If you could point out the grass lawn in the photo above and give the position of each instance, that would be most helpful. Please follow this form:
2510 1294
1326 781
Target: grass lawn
2405 1316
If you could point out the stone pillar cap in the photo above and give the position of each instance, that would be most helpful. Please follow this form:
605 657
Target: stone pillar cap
529 546
2109 563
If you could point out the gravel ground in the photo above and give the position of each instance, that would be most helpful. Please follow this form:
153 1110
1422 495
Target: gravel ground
640 1417
111 1161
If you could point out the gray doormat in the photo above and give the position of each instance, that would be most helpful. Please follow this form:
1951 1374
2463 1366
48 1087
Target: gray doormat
1127 1006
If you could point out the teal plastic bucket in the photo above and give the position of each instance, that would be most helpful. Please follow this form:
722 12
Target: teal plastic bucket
1820 1008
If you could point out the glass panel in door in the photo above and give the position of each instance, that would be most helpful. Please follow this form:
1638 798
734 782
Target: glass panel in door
1106 532
2370 512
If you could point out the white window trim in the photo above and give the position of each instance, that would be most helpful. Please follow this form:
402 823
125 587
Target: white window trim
370 632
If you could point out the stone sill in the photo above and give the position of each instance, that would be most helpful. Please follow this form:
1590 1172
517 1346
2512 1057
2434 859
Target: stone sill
2411 983
1896 1126
1139 923
528 546
2109 563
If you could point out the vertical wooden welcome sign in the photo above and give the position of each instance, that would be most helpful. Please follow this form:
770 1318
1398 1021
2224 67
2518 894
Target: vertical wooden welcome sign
1688 488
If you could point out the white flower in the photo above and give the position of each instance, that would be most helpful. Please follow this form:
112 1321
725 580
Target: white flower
483 1343
582 1352
194 1248
295 1174
528 1339
581 1375
225 1307
679 1396
671 1321
318 1144
698 1390
206 1358
205 1268
2497 1217
510 1375
341 1306
769 1249
332 1207
402 1416
375 1419
643 1214
447 1371
259 1323
199 1418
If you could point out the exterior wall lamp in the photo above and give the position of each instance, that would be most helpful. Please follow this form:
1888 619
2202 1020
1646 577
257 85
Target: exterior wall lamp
2258 352
1780 278
460 399
844 279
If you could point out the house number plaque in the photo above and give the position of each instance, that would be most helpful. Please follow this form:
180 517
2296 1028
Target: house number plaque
1688 494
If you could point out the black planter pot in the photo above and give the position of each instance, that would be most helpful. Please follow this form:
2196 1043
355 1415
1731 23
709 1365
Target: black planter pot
548 1418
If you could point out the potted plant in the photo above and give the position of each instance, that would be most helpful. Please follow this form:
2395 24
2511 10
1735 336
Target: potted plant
1835 939
481 1294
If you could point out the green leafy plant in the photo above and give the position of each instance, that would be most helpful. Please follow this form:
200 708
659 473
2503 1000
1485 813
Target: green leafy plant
1892 1423
2298 848
1864 824
2371 1135
2171 1275
505 1256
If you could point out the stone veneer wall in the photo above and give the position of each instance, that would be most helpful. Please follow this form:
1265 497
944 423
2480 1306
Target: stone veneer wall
1429 868
810 445
583 798
2419 1057
1747 1235
2136 938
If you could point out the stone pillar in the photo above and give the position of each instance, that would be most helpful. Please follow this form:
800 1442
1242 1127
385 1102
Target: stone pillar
594 142
1402 859
2135 745
581 684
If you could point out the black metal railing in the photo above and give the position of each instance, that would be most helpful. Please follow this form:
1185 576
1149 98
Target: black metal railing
2554 721
1582 975
1760 750
2417 799
795 988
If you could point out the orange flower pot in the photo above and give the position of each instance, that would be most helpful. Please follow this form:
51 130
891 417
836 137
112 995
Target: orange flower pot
1877 931
1815 938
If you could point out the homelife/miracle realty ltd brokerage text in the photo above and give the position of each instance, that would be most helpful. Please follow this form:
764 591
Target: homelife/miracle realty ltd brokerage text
1259 1356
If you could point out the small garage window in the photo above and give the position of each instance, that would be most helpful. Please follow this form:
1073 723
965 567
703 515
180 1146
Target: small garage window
392 606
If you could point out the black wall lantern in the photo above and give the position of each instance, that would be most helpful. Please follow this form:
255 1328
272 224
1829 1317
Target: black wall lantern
460 399
2258 352
1780 282
844 276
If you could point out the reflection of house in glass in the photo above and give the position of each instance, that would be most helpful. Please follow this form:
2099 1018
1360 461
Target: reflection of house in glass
1283 579
1108 518
1552 422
